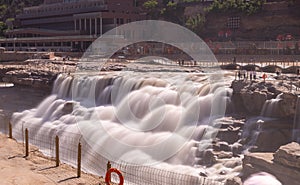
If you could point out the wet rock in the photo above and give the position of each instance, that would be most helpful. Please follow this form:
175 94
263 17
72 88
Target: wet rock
223 172
203 174
271 140
234 181
238 85
228 133
236 148
208 158
277 131
233 163
287 104
254 101
223 155
224 146
68 108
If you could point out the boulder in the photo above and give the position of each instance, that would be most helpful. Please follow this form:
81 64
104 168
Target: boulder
271 140
260 131
288 155
238 85
254 101
287 104
68 108
234 181
264 162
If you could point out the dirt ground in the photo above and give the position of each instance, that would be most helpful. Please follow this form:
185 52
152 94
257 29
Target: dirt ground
37 169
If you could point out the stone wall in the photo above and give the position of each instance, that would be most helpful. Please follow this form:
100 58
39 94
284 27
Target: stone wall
15 56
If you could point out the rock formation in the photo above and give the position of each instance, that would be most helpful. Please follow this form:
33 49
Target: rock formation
284 164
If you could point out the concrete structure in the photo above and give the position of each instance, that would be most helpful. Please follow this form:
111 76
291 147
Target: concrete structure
69 24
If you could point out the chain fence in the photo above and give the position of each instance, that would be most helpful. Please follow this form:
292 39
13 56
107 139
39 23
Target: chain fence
44 137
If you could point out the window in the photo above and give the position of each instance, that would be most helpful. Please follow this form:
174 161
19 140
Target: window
233 23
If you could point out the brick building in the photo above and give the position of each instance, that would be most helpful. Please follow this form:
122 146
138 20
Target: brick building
69 24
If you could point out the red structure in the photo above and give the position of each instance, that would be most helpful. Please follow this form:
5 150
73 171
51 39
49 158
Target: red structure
69 24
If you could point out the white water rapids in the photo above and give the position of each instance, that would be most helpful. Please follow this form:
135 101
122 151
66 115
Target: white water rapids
159 119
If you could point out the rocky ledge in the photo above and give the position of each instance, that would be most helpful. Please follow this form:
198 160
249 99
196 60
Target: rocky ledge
37 73
284 164
251 96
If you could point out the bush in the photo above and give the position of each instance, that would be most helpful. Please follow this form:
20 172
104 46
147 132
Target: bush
248 7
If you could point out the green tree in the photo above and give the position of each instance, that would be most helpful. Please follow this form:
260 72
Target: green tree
2 28
248 7
196 23
10 8
150 5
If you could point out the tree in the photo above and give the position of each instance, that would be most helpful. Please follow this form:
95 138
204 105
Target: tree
151 7
196 23
2 28
10 8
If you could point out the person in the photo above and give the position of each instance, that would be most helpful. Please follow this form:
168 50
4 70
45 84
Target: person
264 76
251 73
254 75
298 72
239 74
244 73
234 60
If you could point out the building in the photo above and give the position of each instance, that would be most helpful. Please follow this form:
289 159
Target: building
67 25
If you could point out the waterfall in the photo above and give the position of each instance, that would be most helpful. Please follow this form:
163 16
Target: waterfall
137 118
296 130
271 108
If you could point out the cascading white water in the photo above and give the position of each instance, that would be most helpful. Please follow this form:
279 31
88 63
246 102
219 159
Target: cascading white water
270 108
142 119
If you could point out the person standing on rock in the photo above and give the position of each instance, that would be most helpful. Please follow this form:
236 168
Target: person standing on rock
264 76
254 75
244 74
251 73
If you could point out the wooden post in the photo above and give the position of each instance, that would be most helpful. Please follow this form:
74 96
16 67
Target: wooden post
26 143
10 130
79 161
57 150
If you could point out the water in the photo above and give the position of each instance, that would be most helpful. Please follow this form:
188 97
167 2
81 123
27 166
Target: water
155 119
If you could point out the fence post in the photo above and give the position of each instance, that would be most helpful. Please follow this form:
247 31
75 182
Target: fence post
79 161
57 150
10 130
26 143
